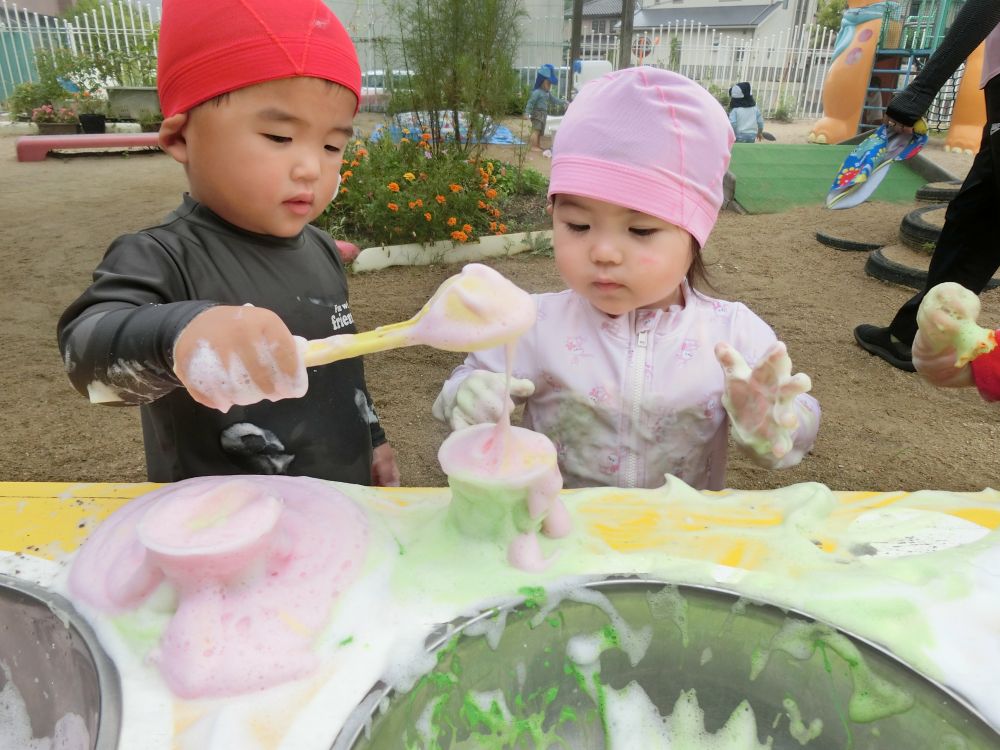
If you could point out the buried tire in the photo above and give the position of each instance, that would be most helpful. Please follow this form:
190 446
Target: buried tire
922 226
893 264
844 244
939 192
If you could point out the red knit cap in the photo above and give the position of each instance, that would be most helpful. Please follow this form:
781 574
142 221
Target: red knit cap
210 47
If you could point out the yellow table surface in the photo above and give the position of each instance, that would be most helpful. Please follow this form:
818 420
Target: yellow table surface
51 519
734 528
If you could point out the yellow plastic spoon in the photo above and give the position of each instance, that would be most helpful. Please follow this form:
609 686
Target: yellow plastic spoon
473 310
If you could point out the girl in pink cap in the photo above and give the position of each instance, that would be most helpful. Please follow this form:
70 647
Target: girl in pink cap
632 372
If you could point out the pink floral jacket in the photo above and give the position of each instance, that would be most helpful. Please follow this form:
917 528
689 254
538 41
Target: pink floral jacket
629 399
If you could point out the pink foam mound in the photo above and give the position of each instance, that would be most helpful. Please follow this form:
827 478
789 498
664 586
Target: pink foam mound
256 563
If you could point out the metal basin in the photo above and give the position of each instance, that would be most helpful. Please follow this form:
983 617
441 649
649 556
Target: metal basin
527 692
58 667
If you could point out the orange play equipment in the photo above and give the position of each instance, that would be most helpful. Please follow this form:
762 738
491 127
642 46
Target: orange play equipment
857 53
969 114
850 72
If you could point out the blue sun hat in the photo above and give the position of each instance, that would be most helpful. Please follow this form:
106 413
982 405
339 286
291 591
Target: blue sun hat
867 165
546 73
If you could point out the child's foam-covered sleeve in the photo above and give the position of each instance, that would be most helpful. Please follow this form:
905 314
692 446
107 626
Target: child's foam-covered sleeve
117 338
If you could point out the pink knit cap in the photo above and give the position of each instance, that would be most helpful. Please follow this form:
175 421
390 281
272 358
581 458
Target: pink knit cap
649 140
211 47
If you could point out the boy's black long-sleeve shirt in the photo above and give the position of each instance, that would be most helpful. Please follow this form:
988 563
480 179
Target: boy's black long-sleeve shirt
117 343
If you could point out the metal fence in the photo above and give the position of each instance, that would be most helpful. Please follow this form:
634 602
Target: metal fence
114 26
787 70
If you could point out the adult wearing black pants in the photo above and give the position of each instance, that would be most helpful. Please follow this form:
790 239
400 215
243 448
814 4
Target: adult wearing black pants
968 248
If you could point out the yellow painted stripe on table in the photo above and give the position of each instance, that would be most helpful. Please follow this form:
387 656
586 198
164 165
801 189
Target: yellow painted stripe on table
635 529
50 519
986 517
870 500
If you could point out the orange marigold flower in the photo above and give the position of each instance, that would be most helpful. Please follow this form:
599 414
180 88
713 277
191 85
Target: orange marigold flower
419 202
502 229
452 221
467 228
406 131
491 193
459 236
392 206
428 216
347 173
355 163
394 187
362 152
409 176
412 204
439 198
343 190
425 137
493 226
455 188
482 204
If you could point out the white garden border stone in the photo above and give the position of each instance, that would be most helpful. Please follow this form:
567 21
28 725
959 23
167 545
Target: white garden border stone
376 258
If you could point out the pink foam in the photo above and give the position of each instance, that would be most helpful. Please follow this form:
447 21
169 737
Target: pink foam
255 581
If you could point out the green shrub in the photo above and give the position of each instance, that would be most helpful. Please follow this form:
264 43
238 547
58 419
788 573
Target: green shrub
721 94
407 192
518 100
462 55
782 111
514 181
31 95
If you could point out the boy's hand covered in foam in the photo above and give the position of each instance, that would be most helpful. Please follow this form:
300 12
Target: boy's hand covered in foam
761 403
480 398
234 356
948 337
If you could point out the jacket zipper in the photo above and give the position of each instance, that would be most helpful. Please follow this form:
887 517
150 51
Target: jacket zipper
631 474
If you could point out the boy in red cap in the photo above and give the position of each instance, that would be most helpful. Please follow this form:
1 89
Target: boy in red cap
202 320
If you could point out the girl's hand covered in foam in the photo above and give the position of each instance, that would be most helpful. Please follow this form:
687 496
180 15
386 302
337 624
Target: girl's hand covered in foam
480 398
234 356
762 406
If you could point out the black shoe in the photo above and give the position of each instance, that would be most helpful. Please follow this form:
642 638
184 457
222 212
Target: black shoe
881 343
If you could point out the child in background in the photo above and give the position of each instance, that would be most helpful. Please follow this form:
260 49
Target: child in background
539 103
744 114
202 319
631 372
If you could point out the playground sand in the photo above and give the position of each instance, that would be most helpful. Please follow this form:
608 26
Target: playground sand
882 429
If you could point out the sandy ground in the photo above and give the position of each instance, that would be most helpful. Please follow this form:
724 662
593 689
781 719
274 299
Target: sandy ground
882 429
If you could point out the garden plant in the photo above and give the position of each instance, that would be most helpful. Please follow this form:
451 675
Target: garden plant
394 193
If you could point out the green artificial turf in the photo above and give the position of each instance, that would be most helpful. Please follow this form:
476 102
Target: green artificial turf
773 177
